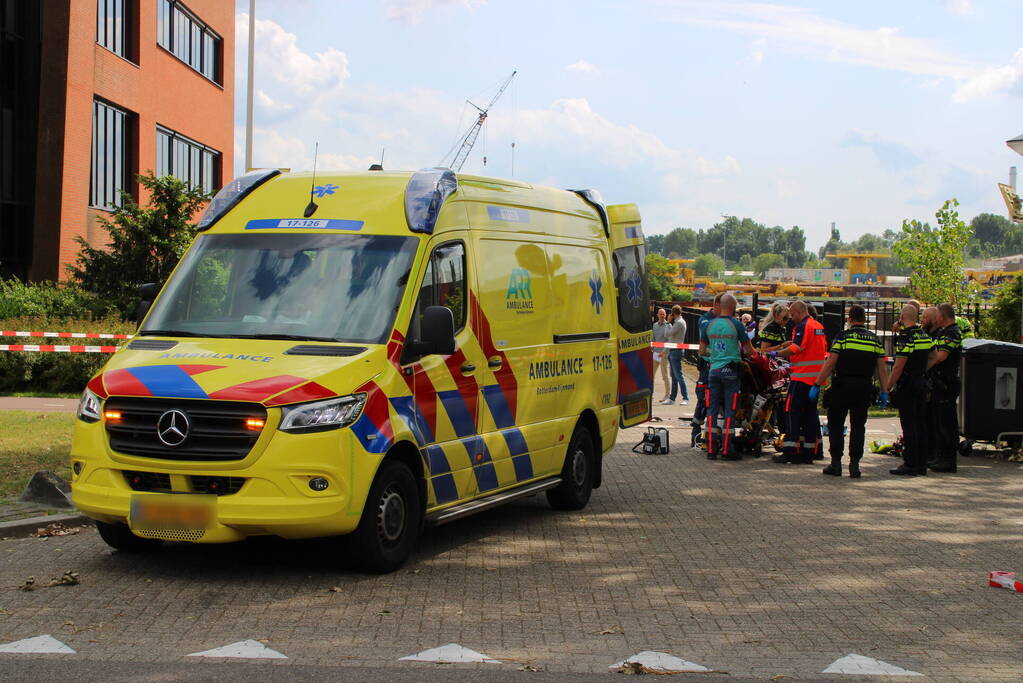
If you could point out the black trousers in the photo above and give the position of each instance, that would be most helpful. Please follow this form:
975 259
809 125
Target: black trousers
912 404
700 411
944 425
849 396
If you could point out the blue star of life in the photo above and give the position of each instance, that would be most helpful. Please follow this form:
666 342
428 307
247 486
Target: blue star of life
323 190
633 289
596 298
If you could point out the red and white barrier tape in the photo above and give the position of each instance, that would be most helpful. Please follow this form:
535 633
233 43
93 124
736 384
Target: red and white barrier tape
58 348
65 335
673 345
1005 580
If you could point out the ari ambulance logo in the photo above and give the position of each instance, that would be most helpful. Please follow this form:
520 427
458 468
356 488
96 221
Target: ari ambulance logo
520 293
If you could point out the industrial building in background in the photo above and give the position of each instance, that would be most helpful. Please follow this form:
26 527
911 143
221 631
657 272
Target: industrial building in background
94 92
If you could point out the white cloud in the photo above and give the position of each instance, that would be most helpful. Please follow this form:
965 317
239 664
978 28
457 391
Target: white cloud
801 30
993 80
280 61
573 124
583 67
960 7
413 11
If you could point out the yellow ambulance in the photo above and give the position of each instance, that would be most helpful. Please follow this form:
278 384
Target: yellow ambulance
362 354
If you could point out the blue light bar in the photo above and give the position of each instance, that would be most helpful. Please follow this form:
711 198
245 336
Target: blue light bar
232 193
425 195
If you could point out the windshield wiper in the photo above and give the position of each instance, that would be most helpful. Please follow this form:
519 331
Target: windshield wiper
288 337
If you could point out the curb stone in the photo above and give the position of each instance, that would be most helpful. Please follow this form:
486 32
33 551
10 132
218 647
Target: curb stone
26 527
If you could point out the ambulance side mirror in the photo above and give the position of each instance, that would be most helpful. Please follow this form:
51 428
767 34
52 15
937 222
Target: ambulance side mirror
147 294
436 332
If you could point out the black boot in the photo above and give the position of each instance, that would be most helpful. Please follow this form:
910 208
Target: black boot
835 468
854 469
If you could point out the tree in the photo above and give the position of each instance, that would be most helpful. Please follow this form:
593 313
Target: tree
764 262
708 264
934 256
145 242
660 275
1001 321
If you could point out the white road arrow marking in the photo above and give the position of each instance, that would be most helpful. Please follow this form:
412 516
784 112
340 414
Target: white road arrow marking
452 652
858 665
660 661
38 645
243 649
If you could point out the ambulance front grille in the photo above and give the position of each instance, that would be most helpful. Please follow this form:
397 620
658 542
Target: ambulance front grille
216 429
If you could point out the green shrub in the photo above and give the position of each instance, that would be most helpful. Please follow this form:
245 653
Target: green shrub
50 372
56 301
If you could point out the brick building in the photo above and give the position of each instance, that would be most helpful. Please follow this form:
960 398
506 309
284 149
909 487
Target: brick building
93 92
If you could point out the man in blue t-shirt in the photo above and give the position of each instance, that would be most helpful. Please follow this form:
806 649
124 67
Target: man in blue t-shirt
723 342
703 367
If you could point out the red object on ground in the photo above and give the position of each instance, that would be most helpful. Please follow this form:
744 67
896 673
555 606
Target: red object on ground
1005 580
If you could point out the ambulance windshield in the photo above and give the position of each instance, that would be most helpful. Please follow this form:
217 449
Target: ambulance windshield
302 286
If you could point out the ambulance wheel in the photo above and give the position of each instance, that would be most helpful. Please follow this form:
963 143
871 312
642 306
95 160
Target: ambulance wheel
573 493
391 520
120 537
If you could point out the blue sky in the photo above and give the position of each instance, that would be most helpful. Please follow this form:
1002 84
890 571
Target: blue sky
792 113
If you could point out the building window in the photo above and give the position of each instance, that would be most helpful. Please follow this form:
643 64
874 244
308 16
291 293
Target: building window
113 21
188 160
182 34
110 155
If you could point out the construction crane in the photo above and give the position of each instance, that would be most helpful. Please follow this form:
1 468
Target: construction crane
469 139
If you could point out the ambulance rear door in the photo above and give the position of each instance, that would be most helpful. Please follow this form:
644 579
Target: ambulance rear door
635 358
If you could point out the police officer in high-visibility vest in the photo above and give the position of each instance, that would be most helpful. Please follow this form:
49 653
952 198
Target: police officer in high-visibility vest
855 355
809 346
943 379
723 343
703 367
912 349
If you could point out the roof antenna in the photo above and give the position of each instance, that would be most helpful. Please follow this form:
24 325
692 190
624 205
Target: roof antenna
311 208
380 166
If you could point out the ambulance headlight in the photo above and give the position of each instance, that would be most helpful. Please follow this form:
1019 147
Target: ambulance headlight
232 193
320 416
89 407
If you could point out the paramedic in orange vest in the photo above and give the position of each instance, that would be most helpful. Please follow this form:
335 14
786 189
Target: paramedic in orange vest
809 346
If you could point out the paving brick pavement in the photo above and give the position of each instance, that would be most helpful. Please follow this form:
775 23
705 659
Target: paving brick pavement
747 567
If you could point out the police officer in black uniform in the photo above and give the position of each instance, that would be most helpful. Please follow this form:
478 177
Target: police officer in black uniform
943 380
855 355
912 348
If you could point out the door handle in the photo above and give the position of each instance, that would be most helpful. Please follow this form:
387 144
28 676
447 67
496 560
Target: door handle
468 368
494 363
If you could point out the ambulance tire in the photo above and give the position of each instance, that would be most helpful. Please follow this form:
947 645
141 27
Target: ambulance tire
577 474
120 537
391 520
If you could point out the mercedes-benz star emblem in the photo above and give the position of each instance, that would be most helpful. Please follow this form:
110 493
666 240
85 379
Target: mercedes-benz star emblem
172 428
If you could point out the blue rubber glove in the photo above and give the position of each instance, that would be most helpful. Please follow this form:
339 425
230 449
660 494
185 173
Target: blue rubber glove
884 399
814 392
772 354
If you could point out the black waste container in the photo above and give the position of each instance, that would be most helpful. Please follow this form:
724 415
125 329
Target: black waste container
991 402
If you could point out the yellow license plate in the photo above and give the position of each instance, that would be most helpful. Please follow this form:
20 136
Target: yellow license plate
169 511
634 409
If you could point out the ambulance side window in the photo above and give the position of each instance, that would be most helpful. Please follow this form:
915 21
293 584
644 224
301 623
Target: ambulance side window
443 285
630 279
